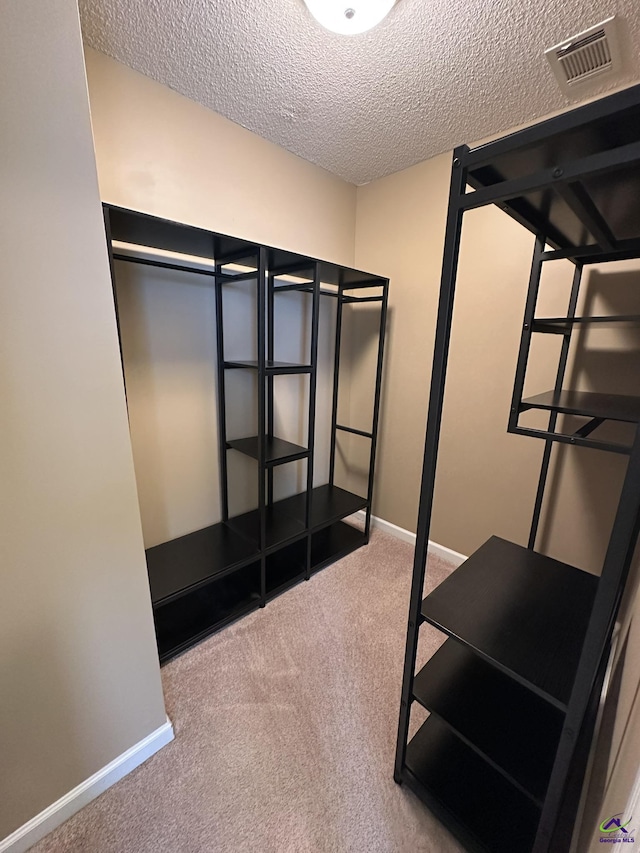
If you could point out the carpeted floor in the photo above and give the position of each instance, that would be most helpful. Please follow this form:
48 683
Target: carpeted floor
285 731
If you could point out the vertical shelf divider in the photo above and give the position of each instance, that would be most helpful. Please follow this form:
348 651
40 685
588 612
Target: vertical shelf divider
261 285
311 436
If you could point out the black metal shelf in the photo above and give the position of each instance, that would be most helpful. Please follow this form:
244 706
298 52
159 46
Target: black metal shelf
286 519
580 175
510 726
189 619
271 368
565 325
477 803
524 613
328 503
180 565
277 450
543 627
615 407
333 542
206 579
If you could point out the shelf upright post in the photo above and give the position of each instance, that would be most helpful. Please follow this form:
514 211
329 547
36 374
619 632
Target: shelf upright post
376 408
107 227
336 376
270 378
262 439
553 417
434 418
527 326
315 319
615 571
222 407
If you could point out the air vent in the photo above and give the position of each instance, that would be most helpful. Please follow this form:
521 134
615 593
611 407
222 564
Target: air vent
586 55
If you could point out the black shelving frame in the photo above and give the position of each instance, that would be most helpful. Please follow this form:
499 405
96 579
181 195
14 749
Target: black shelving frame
505 610
206 579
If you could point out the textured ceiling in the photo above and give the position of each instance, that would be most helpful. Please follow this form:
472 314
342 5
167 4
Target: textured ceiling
434 74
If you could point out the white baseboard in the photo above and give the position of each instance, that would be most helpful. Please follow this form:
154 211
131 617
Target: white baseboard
31 832
406 536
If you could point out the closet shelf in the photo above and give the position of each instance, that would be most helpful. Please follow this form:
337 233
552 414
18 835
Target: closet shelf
277 451
482 808
285 519
565 325
181 565
328 503
523 612
272 368
202 581
574 182
616 407
280 526
511 727
333 542
285 567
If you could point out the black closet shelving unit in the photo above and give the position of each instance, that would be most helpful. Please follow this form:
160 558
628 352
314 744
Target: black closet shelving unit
513 692
206 579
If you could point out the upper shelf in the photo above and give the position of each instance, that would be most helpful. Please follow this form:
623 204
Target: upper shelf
515 730
523 612
141 229
574 178
271 367
277 451
615 407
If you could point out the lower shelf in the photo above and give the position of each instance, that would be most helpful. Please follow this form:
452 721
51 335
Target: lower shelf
476 802
201 594
334 542
525 613
180 565
285 567
187 620
512 727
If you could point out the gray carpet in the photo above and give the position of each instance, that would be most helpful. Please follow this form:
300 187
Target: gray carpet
285 731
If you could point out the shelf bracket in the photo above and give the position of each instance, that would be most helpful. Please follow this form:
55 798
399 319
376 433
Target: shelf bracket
578 199
588 428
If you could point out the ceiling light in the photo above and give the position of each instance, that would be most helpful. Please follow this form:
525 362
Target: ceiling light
349 17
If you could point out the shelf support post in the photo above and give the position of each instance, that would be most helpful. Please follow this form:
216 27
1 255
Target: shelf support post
553 417
270 379
527 325
615 571
376 409
262 448
222 409
434 418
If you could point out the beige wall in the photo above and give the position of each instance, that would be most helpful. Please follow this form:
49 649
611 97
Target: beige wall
164 154
159 152
79 675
